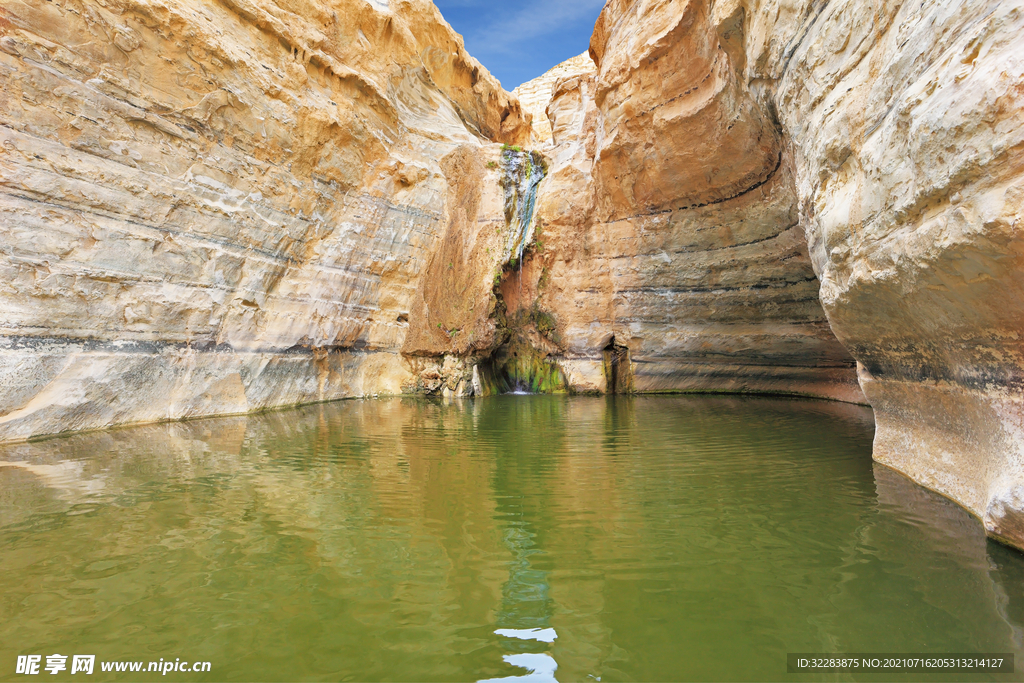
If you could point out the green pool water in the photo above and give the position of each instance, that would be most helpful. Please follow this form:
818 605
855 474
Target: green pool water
649 538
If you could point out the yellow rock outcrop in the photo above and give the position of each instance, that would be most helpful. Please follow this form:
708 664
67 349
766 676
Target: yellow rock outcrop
535 95
212 208
670 222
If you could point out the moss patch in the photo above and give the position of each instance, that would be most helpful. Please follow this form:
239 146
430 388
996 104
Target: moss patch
520 367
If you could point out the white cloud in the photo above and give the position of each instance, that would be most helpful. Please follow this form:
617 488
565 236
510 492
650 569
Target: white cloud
534 19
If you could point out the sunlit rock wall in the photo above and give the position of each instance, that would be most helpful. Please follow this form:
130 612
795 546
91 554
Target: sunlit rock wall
218 207
907 124
670 225
732 161
535 95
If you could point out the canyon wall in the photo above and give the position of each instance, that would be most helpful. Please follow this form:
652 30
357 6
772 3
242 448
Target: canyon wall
907 124
535 95
671 242
215 208
211 208
743 144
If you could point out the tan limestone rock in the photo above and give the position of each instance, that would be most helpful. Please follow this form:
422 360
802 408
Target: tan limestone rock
535 95
908 126
899 134
670 224
217 207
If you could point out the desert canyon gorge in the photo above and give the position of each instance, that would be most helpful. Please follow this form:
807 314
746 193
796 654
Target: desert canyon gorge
211 208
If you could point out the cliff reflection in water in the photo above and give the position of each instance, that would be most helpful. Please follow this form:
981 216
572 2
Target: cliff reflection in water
651 538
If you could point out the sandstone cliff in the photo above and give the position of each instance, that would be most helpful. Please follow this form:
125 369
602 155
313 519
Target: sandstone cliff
216 207
742 144
535 95
907 124
672 241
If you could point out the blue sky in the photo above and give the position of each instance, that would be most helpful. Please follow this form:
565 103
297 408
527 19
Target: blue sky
518 40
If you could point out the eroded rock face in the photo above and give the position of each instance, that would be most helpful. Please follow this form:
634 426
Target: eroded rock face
670 223
907 123
898 133
535 95
730 160
211 208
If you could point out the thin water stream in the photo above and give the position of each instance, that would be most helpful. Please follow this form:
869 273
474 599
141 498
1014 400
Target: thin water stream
612 539
521 173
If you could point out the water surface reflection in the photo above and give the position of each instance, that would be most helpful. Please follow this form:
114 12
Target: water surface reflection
646 538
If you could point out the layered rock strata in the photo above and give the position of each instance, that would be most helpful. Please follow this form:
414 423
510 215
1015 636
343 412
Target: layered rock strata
214 208
887 138
907 123
672 242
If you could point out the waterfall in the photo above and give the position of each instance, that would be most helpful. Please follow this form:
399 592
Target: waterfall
521 174
518 367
